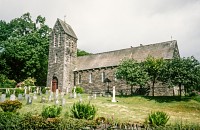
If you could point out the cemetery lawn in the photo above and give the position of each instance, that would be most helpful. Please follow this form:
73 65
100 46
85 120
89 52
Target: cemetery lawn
132 109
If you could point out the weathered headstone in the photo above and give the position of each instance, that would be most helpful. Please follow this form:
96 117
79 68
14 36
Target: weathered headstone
27 96
19 97
3 97
34 96
43 99
29 100
47 92
37 90
62 94
113 98
12 97
95 96
67 90
71 95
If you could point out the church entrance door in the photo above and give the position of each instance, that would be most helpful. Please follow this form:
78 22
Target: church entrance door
54 84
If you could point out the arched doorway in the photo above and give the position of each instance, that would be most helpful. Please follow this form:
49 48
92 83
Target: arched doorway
54 84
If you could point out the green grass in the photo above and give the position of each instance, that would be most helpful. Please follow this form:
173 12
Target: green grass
132 109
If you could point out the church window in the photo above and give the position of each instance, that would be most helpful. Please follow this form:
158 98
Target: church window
90 78
56 56
102 76
79 79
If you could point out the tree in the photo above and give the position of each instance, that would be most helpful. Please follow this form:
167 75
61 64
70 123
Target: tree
153 67
182 71
25 46
82 52
133 73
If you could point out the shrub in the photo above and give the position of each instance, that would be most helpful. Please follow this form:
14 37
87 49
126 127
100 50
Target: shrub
83 111
19 91
9 121
78 90
36 122
51 111
10 106
158 118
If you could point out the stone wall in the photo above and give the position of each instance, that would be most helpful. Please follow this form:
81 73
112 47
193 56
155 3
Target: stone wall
121 87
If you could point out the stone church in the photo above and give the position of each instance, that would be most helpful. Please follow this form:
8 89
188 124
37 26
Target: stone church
96 72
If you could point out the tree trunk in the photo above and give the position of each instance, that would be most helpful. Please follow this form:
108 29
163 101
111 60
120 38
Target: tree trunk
153 86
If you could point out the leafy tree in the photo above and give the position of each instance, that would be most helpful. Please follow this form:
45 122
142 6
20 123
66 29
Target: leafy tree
82 52
25 48
133 73
153 67
182 71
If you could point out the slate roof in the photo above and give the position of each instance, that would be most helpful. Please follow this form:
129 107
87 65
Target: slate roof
164 50
67 28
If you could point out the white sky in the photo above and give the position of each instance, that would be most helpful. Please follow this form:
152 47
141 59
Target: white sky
106 25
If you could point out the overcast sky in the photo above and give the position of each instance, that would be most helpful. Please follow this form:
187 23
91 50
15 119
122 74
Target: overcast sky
106 25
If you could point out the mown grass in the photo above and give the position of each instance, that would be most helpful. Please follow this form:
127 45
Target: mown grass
132 109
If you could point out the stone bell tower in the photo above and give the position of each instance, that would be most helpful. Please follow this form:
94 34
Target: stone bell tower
62 57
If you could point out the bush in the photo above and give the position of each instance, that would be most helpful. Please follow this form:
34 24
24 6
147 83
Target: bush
10 106
83 111
157 118
9 121
36 122
51 111
78 90
18 91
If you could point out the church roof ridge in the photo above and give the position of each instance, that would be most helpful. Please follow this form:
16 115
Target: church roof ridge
141 45
140 53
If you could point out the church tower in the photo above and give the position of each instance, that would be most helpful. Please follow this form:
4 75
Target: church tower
62 57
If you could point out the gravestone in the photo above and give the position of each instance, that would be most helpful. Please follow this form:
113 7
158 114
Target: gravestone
71 95
51 96
56 102
95 95
26 96
3 97
63 101
74 92
47 92
19 97
34 96
67 90
62 94
12 97
29 100
43 99
57 94
25 90
113 98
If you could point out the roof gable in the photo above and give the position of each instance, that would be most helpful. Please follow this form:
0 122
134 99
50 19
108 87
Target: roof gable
67 28
159 50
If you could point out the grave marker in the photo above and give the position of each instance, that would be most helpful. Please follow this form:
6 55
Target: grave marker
3 97
113 99
12 97
19 96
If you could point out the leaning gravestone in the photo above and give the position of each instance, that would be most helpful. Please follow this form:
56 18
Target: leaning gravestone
19 97
12 97
29 100
3 97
